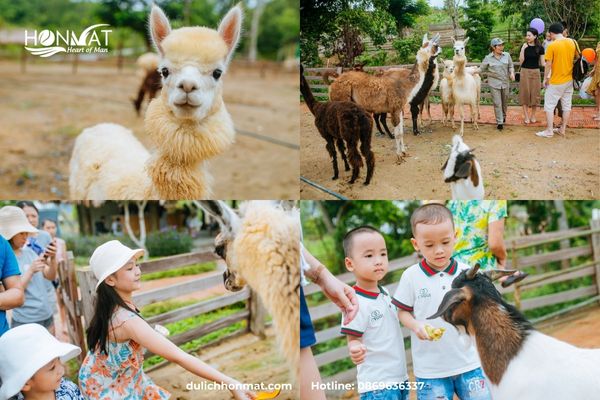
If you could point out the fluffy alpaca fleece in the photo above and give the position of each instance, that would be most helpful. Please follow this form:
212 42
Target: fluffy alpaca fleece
446 93
262 249
465 90
188 122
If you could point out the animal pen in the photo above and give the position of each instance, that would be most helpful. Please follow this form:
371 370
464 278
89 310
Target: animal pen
582 268
78 295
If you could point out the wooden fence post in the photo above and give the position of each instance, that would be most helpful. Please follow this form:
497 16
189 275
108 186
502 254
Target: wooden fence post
256 319
515 264
595 239
87 283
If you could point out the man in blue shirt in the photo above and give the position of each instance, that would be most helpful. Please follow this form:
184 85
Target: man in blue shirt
12 296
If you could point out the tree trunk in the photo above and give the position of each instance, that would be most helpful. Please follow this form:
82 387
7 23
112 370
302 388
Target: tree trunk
326 218
141 242
258 10
563 225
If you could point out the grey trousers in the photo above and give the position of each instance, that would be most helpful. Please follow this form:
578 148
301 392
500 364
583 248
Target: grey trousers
500 100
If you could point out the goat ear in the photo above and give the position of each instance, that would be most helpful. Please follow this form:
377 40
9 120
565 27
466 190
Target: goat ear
474 174
230 29
228 220
452 298
159 28
464 170
473 271
495 274
445 164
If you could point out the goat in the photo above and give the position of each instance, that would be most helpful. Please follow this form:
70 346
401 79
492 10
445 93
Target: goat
519 361
463 172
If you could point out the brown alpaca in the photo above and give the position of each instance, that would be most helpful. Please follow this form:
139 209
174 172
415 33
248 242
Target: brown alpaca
343 123
150 86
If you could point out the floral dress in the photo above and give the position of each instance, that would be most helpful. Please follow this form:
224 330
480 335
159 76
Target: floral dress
118 374
471 219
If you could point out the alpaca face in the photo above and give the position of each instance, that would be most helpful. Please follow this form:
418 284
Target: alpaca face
448 67
459 46
193 60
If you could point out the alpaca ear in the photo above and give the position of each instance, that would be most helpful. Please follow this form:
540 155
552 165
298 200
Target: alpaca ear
425 40
228 220
453 40
159 28
465 41
230 29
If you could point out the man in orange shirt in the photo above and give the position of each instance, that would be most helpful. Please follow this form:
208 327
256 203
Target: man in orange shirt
558 78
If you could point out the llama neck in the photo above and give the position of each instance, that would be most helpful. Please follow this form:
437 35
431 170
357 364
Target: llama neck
459 66
182 147
500 331
310 100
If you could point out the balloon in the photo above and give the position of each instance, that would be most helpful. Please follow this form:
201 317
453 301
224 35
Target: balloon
589 54
538 24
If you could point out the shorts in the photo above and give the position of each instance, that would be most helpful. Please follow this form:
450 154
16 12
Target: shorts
554 93
47 323
386 394
307 332
470 385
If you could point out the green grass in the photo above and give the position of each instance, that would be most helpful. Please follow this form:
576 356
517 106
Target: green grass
164 306
194 269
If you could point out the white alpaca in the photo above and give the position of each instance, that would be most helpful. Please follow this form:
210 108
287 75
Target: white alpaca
188 122
446 93
262 248
465 87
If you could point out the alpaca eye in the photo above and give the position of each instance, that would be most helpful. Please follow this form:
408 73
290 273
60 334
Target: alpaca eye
217 74
164 72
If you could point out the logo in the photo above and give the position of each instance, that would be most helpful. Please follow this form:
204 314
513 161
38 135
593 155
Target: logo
375 315
423 293
53 42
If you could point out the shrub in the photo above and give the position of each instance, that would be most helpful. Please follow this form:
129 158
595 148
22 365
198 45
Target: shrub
168 243
84 246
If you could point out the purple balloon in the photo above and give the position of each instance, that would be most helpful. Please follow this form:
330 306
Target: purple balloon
538 24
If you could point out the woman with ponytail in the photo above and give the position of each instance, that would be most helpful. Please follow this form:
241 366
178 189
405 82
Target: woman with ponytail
531 58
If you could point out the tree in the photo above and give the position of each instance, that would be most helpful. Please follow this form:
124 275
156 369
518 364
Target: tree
405 12
141 241
575 13
339 27
451 6
279 29
478 25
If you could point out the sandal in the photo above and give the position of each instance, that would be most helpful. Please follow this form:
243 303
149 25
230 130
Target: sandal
526 121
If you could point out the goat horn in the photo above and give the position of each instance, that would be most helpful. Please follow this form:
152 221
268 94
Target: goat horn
473 271
495 274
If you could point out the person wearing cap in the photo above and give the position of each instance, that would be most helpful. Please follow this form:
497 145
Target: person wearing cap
558 79
15 228
12 296
117 336
31 365
499 68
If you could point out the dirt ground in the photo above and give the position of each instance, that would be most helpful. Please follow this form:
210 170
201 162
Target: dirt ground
43 110
580 328
246 358
515 164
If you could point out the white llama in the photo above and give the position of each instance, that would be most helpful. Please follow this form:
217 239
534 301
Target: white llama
188 122
465 86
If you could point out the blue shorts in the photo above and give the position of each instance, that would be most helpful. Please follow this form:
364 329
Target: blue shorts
307 332
470 385
385 394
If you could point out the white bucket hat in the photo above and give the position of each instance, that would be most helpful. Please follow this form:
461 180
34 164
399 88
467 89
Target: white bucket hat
23 351
12 221
109 257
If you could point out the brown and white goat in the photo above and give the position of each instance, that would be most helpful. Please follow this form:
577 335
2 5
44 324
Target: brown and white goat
519 361
463 173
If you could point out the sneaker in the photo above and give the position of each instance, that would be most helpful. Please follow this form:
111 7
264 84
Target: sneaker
500 127
544 134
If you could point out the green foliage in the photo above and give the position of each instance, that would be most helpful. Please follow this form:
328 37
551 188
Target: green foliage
373 59
406 12
478 25
168 243
279 28
406 49
194 269
84 246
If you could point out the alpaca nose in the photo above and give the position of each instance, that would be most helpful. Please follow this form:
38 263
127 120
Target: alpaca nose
187 85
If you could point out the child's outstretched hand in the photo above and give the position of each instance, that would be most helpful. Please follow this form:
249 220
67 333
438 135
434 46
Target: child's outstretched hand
420 331
243 394
358 352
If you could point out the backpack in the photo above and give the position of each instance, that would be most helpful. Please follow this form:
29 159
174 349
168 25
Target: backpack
580 68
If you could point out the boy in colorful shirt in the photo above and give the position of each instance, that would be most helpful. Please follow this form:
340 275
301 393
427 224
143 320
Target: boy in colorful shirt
374 335
449 365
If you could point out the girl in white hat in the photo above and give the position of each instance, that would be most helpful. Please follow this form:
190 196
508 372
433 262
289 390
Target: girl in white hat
35 270
117 336
31 365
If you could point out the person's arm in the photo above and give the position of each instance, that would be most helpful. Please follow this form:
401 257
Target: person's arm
138 330
511 68
496 242
522 54
337 291
484 65
38 265
418 327
13 295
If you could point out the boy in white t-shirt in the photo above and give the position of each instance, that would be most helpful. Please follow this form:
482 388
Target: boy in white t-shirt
448 365
374 335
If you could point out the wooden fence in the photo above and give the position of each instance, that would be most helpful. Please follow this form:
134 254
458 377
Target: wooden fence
79 293
314 76
590 251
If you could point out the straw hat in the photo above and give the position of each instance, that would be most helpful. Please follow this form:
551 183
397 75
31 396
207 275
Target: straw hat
23 351
109 257
14 221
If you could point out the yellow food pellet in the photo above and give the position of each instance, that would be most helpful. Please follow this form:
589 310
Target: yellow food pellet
267 395
434 333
